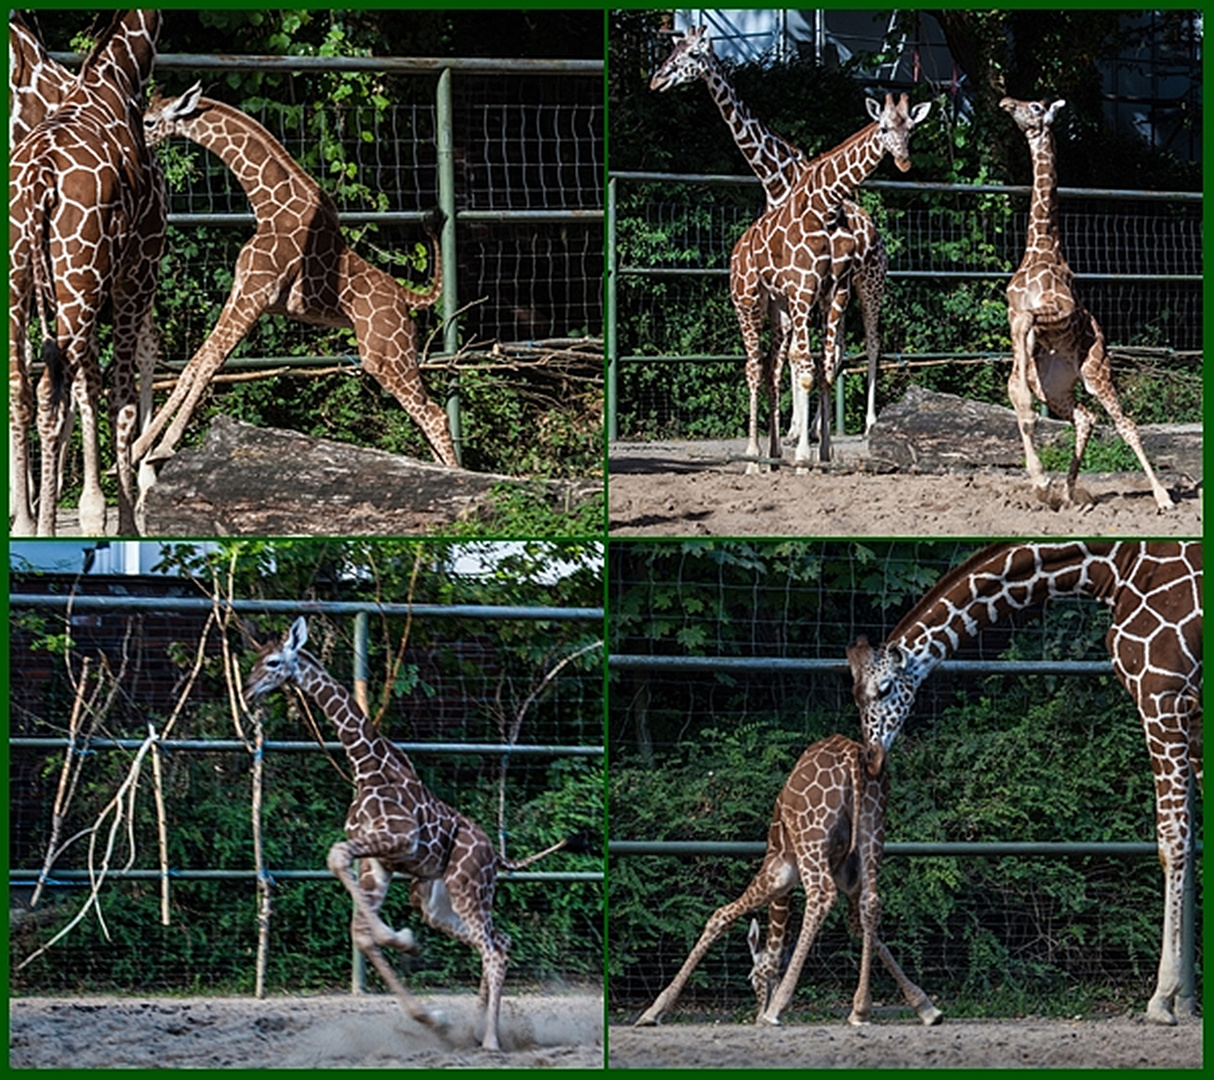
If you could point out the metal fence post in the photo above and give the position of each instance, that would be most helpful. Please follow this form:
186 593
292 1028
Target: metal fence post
446 200
609 328
358 962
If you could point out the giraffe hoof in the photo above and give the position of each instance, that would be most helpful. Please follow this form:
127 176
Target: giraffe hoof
768 1020
1160 1011
930 1015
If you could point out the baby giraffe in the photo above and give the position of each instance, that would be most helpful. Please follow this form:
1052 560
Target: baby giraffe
827 831
395 824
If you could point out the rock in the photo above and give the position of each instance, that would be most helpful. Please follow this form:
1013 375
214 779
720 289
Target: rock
246 480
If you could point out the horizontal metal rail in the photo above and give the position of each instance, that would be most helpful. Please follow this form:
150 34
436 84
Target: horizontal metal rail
397 217
756 848
28 878
32 742
397 65
952 275
183 604
718 179
795 665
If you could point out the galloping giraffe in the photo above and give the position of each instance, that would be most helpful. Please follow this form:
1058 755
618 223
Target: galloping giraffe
297 264
827 832
1153 589
86 225
1056 341
778 165
395 823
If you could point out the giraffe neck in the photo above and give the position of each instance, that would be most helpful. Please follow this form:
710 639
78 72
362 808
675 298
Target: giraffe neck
834 176
777 163
997 582
118 68
1043 232
38 84
268 174
365 748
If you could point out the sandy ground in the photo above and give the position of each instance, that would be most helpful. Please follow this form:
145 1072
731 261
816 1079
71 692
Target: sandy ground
700 489
994 1044
324 1032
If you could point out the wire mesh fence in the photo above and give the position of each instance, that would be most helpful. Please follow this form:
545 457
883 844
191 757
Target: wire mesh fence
727 661
189 915
1136 256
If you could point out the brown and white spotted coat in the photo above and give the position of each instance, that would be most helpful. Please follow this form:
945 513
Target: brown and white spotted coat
297 264
396 824
1056 341
827 833
1154 592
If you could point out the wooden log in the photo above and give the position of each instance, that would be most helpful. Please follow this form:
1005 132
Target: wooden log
246 480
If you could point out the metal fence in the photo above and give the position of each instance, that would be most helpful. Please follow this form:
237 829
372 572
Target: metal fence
231 918
1136 256
1021 861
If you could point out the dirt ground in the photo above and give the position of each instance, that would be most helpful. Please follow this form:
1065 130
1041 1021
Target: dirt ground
700 489
977 1044
323 1032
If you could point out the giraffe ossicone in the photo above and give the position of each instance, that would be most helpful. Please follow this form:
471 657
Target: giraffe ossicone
1056 341
297 264
396 824
1153 590
827 833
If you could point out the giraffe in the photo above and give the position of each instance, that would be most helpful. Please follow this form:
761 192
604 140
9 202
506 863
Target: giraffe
37 84
791 252
297 264
827 832
86 225
778 165
395 823
1056 341
1153 589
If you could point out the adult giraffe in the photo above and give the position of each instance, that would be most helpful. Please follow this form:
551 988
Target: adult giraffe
778 164
86 226
1153 589
791 253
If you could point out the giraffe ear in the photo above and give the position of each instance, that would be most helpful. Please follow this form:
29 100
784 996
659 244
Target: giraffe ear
297 636
897 655
919 112
1053 110
753 937
188 101
874 107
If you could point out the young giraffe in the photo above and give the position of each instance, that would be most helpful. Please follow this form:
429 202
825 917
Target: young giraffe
827 832
790 253
297 264
86 225
395 824
778 165
1153 589
1056 341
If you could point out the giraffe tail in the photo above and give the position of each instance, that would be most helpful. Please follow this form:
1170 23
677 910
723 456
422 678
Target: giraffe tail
44 290
577 844
432 222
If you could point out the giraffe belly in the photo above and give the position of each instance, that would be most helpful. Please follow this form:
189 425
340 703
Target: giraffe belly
434 903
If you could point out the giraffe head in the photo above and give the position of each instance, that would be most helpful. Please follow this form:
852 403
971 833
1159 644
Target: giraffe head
691 58
895 121
278 664
885 681
766 970
1034 118
166 117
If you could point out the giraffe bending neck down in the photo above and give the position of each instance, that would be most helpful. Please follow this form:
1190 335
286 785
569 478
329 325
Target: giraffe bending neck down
37 85
1056 341
395 823
827 832
86 226
797 255
297 264
1153 590
778 165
